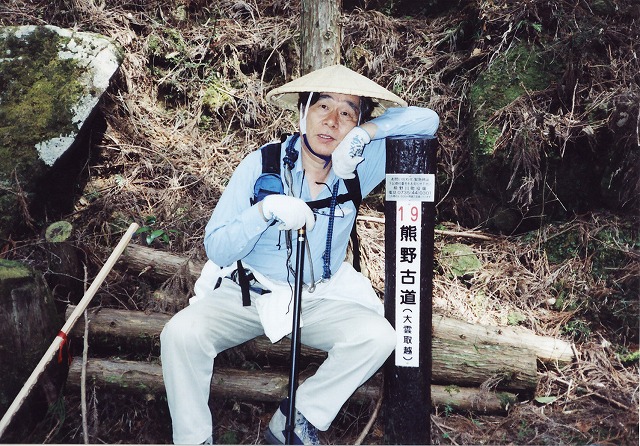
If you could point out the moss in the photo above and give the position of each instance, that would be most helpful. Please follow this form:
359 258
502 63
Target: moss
515 318
521 69
29 318
629 357
13 270
167 48
563 246
59 231
215 96
459 259
117 380
606 248
495 94
609 250
37 98
607 253
451 389
506 399
486 138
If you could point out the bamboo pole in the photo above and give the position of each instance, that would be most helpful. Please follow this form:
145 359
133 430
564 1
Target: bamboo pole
64 331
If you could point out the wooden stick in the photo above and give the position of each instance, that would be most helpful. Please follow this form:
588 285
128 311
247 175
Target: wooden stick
367 428
83 380
64 331
466 234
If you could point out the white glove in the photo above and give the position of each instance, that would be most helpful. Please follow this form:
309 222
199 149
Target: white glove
346 157
291 212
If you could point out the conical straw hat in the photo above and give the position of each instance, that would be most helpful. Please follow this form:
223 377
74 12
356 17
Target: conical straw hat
334 79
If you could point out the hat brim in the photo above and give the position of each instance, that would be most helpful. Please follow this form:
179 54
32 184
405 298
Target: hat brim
334 79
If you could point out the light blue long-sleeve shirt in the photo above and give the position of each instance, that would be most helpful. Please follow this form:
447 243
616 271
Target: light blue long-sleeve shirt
238 231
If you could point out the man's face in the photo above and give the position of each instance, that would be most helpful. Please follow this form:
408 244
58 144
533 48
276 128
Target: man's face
330 119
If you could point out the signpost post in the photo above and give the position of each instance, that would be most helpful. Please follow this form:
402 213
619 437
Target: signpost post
409 228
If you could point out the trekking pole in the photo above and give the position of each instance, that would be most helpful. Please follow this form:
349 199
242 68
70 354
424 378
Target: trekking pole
295 336
61 338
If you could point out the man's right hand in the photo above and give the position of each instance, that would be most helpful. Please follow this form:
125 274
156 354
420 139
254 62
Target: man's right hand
291 212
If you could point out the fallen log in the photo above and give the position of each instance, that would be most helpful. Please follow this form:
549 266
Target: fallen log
455 361
548 350
141 330
159 264
28 321
268 386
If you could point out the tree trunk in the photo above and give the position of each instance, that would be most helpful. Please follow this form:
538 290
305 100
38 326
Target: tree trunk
455 361
28 324
65 276
320 34
132 376
548 350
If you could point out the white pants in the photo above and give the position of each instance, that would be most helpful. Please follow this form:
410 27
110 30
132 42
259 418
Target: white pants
357 338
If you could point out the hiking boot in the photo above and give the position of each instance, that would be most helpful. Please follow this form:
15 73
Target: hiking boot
303 431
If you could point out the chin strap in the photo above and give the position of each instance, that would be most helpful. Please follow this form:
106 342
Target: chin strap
325 158
303 131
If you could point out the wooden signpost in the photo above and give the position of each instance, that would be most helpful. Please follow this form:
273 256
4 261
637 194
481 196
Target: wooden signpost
410 219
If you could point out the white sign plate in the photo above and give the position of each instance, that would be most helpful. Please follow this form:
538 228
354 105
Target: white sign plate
410 186
407 295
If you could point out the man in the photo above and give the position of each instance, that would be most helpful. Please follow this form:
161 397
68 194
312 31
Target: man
341 313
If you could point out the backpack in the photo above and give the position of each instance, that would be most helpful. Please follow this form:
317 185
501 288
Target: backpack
270 182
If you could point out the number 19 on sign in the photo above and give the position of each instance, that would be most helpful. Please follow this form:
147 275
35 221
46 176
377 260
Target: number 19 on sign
408 258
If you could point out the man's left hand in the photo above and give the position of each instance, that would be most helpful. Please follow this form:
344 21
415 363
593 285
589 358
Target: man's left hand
346 157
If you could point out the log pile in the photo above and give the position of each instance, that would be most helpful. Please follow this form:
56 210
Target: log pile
475 367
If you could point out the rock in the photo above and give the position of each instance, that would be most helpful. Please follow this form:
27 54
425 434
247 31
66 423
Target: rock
51 81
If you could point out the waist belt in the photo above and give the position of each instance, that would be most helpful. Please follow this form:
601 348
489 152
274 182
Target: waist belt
247 281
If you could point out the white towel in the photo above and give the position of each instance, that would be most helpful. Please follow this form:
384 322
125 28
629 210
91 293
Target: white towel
208 279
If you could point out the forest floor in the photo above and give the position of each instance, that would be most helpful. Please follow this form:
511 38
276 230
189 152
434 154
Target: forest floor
188 104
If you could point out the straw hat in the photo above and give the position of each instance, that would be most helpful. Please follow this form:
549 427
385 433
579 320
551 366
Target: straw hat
334 79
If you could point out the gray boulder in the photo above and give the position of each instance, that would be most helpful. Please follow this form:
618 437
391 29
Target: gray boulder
51 80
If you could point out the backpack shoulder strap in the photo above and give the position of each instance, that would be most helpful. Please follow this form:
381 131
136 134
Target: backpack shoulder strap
271 158
353 194
353 188
269 182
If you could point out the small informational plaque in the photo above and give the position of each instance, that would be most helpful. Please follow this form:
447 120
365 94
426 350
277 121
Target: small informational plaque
410 186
